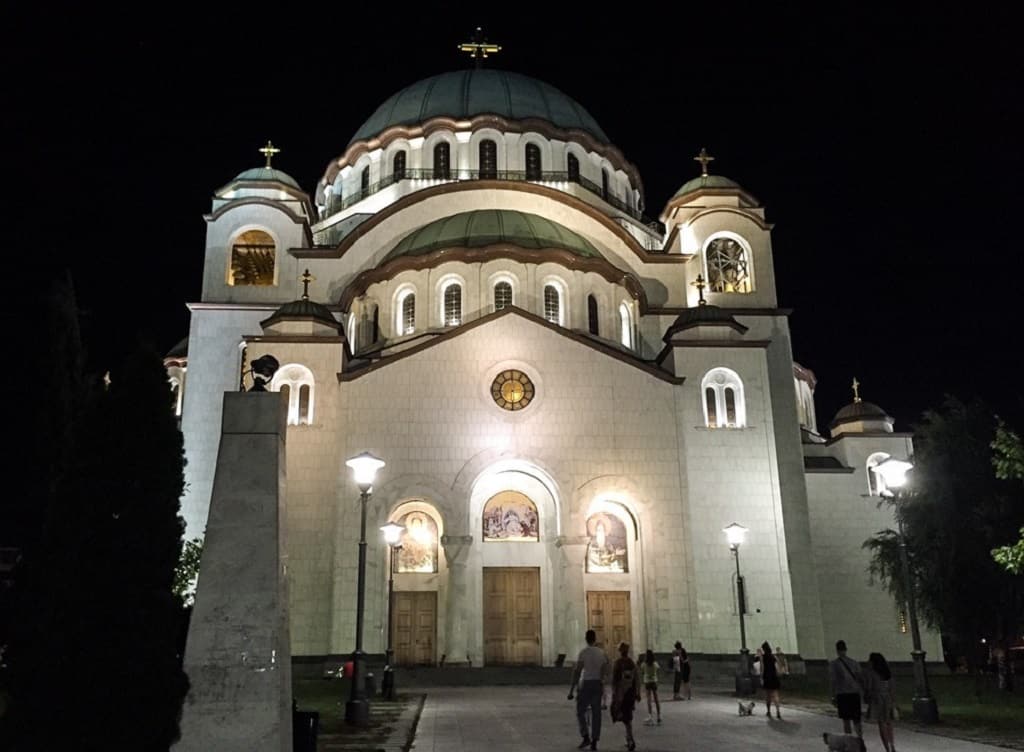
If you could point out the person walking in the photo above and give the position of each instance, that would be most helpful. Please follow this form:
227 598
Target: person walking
625 693
770 679
649 674
681 673
879 694
847 686
588 675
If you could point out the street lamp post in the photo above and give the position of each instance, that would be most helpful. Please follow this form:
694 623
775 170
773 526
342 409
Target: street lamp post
893 474
393 535
357 709
736 534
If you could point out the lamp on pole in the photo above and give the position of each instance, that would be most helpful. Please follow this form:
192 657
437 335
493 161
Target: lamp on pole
393 536
735 534
357 709
893 474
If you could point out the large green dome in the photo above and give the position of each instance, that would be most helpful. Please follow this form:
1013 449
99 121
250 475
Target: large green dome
477 229
468 93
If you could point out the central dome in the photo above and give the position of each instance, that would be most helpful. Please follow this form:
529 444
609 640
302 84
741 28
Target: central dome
468 93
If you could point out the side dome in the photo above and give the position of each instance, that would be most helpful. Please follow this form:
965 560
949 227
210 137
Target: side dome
303 310
266 174
861 417
468 93
706 181
476 229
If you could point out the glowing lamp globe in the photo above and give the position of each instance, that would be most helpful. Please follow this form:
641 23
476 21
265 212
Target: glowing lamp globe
364 469
392 532
735 534
893 472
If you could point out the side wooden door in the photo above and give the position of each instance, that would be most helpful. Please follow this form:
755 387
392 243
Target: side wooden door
415 627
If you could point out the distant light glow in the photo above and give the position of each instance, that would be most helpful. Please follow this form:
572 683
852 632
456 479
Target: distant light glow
735 534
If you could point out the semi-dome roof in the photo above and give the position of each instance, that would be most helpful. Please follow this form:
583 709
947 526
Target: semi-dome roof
860 411
706 181
476 229
468 93
267 174
302 310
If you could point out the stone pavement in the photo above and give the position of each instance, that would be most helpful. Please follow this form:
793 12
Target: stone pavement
524 719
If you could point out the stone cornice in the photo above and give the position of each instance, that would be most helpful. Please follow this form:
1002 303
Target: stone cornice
605 349
261 201
293 339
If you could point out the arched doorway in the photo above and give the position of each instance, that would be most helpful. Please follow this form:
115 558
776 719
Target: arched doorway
418 568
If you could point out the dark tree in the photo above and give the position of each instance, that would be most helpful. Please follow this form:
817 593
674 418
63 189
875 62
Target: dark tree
95 660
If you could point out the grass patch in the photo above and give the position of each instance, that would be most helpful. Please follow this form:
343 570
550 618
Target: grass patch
328 697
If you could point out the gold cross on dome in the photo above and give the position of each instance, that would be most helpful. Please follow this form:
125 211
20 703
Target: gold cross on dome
703 158
306 279
856 390
269 151
700 284
479 47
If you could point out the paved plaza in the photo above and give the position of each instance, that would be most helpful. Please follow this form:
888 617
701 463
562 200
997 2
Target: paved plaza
503 719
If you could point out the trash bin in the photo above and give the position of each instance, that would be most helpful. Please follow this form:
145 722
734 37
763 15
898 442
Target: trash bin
371 685
305 726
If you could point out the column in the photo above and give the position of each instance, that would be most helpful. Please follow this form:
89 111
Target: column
571 610
457 619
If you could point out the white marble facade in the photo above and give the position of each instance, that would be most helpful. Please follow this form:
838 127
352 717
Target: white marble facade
618 421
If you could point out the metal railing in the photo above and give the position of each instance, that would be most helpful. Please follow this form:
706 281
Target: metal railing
455 176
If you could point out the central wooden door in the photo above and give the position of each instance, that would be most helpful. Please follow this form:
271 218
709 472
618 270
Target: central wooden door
608 614
512 616
415 626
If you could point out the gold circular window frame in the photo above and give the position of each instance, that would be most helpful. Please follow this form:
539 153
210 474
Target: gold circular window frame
512 390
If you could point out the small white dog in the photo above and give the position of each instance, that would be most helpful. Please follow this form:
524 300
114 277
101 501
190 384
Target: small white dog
843 742
746 708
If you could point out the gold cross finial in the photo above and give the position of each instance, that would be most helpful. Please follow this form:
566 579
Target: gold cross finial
269 151
306 279
856 390
479 47
703 158
700 284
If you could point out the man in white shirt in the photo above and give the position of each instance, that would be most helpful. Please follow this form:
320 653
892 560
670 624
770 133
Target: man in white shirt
592 667
847 687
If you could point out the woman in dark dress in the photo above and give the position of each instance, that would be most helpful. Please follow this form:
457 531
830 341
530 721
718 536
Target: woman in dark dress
625 692
770 679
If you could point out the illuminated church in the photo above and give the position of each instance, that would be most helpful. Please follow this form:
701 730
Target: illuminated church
573 398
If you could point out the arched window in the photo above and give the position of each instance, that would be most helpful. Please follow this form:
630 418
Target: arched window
605 185
442 160
552 304
176 378
405 312
452 313
488 160
398 166
510 516
352 333
296 382
375 325
253 256
876 483
607 550
593 320
502 295
533 163
728 266
625 325
573 166
364 182
724 406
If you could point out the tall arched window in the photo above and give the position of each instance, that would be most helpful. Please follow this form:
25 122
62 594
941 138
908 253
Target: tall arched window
552 304
593 320
728 266
296 383
724 405
453 304
533 163
252 259
398 166
364 181
502 295
605 185
625 325
352 337
405 312
573 167
876 483
488 159
442 160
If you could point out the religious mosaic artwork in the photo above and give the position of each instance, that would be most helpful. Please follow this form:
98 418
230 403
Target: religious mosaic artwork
512 390
727 266
607 549
418 553
511 516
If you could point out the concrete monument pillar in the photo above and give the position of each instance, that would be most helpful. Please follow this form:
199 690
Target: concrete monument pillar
571 610
456 554
238 655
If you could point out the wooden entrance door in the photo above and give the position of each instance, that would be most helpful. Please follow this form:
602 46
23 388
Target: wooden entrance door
608 615
512 616
415 625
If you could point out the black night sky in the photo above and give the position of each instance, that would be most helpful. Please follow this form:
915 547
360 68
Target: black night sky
886 148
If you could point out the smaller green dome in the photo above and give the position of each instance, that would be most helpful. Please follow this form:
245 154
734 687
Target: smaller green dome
860 411
706 181
258 174
302 310
477 229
